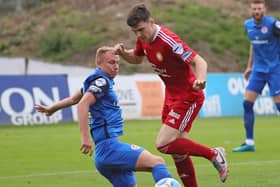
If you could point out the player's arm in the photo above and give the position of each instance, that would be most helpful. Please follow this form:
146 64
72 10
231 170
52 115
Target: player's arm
250 64
128 54
87 100
201 71
96 91
66 102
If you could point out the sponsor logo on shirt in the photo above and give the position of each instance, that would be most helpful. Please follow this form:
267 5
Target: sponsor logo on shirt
259 41
250 30
160 72
178 48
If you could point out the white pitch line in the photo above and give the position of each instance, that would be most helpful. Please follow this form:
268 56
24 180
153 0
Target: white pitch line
256 163
49 174
253 163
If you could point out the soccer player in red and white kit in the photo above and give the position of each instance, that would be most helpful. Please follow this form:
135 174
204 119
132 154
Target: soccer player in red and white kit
171 59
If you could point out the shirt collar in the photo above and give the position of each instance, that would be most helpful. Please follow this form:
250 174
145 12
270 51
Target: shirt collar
99 71
156 33
260 24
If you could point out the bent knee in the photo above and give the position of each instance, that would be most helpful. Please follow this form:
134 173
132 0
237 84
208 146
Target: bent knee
161 148
156 160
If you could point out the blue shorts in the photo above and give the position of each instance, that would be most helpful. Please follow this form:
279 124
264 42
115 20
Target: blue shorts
116 161
258 80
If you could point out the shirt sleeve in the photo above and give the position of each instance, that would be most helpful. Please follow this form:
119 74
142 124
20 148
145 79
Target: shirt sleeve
184 52
139 51
98 87
178 48
276 28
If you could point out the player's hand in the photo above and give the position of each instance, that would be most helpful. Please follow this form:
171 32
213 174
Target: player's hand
44 109
86 146
247 73
199 84
119 49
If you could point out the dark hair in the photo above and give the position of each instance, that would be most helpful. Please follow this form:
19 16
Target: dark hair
137 14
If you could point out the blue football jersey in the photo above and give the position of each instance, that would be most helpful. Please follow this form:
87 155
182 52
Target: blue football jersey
105 118
265 44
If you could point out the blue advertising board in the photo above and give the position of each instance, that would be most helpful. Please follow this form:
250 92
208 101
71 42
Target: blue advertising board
224 97
19 94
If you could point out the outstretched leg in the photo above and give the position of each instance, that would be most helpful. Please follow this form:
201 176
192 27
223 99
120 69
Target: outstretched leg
155 164
184 146
185 169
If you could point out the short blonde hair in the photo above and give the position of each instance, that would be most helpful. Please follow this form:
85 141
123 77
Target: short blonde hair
100 53
258 2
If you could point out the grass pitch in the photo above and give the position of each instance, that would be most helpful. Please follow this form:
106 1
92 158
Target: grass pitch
48 156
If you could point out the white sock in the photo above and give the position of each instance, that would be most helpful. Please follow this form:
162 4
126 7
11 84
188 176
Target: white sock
250 142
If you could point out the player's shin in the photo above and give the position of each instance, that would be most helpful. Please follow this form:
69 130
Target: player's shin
249 119
160 171
185 170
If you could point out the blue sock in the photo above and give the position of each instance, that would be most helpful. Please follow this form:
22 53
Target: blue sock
160 171
249 119
278 106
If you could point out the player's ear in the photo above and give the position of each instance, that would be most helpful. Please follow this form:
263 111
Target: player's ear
98 63
151 20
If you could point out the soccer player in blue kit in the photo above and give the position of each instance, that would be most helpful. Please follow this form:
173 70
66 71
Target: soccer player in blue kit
98 110
263 66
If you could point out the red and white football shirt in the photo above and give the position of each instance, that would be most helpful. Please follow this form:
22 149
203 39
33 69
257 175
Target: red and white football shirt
170 58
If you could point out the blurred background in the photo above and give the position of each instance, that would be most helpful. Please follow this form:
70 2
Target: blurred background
69 31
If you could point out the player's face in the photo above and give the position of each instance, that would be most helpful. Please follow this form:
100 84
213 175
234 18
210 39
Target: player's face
144 30
258 11
110 64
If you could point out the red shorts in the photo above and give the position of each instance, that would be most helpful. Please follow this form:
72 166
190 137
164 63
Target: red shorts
180 114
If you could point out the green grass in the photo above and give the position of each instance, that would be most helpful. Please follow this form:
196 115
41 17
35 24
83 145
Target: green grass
48 156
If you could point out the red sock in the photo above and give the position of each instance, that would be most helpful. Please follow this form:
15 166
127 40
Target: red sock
185 170
183 146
